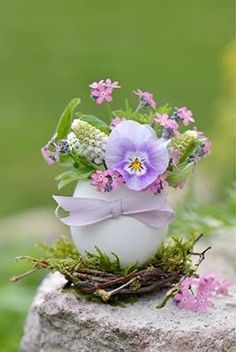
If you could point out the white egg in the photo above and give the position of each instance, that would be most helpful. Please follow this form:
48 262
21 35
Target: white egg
131 240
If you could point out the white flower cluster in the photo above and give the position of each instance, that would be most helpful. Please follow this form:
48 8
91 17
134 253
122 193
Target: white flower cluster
88 141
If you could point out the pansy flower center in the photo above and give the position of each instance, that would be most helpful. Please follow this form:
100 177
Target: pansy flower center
136 165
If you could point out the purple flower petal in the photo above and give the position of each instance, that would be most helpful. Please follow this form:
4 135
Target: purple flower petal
135 152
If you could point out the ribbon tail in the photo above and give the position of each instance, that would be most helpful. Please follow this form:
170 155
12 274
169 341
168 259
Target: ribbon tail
82 211
156 218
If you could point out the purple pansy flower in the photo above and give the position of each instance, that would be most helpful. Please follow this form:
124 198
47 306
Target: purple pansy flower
146 98
135 152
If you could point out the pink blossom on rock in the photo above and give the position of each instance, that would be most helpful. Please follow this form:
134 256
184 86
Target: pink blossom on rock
207 283
100 180
202 302
102 94
185 115
222 287
186 300
187 283
116 121
195 293
146 98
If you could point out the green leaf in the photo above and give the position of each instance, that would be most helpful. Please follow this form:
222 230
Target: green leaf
82 170
64 123
66 178
164 109
82 173
96 122
180 174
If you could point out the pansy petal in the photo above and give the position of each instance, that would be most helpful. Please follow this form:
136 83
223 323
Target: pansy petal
118 150
136 182
126 129
158 154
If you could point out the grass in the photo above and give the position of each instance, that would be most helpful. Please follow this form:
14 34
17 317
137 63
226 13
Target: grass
14 299
50 53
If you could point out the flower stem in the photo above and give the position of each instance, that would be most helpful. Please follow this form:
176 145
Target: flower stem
109 112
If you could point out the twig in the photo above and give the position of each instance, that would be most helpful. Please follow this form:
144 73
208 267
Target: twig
201 256
106 295
21 276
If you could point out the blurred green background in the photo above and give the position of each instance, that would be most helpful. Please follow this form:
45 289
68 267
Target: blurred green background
182 51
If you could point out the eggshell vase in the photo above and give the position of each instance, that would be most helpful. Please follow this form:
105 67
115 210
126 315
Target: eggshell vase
131 240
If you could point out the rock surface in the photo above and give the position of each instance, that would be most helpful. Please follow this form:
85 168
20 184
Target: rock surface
58 322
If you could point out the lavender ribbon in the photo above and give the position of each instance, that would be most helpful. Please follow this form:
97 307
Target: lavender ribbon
154 212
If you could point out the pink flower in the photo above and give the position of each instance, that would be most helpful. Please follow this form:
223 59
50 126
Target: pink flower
100 180
207 283
102 94
159 184
107 180
195 293
96 85
202 302
213 283
207 147
174 156
185 300
109 84
116 121
146 98
50 151
187 283
165 121
115 177
48 155
185 115
222 287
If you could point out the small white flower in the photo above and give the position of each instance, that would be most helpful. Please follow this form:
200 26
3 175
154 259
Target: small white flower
91 139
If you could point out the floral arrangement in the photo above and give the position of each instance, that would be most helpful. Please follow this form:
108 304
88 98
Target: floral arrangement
147 148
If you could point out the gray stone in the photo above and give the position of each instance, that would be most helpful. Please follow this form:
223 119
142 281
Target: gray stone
58 322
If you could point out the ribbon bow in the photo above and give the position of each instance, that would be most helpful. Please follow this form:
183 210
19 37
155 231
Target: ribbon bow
154 211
